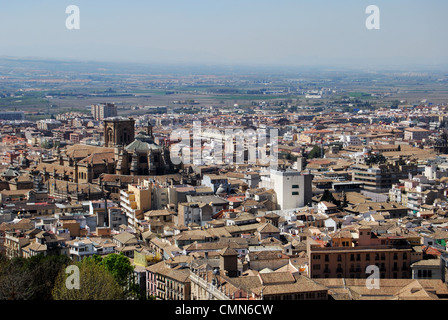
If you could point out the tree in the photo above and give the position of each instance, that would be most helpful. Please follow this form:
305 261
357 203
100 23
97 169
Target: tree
15 280
315 152
44 271
120 268
327 196
45 144
95 283
344 203
30 278
290 157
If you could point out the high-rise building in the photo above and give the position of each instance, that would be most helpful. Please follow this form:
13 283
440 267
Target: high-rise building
103 111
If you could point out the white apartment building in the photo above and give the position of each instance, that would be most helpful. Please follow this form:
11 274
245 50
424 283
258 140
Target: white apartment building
293 188
349 140
78 249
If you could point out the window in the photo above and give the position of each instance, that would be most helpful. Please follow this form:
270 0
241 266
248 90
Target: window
295 186
295 193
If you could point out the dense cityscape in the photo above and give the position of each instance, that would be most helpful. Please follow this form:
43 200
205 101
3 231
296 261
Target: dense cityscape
223 158
318 186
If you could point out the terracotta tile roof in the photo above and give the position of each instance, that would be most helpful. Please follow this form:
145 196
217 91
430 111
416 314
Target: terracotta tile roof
98 158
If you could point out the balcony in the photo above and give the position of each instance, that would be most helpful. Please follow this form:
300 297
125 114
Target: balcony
211 289
128 209
125 193
125 200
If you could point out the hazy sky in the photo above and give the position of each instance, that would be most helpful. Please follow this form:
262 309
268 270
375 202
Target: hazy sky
275 32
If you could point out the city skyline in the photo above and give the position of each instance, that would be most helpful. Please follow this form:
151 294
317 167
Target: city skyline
235 151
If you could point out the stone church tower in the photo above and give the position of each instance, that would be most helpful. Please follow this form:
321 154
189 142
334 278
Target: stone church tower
143 156
118 131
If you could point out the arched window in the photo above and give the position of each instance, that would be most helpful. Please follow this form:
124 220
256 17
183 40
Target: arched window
110 134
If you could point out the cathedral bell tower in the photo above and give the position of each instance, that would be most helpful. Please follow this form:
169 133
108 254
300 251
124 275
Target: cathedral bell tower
118 131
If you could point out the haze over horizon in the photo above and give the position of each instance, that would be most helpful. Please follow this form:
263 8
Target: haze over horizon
248 32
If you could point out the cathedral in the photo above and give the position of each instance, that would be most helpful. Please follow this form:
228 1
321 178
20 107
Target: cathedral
123 153
143 156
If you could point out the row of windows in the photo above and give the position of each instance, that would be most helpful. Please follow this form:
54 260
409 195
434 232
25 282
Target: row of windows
339 269
424 273
297 296
404 275
359 257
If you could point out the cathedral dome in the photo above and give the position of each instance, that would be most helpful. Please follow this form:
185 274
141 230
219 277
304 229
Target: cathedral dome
142 143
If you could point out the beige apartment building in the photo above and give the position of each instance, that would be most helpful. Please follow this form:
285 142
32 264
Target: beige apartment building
416 134
392 255
103 111
134 202
380 178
